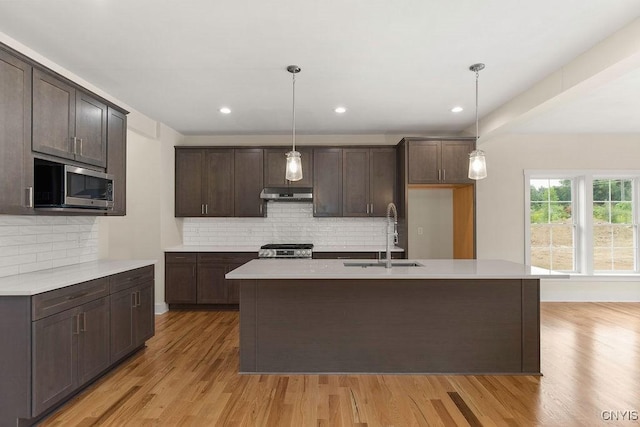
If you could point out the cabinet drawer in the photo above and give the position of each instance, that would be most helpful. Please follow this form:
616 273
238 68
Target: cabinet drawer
49 303
131 278
180 257
225 257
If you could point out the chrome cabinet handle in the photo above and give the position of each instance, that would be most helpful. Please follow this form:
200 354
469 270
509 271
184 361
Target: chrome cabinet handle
202 209
444 174
439 174
83 328
80 146
371 208
77 322
133 300
260 207
206 208
29 197
367 208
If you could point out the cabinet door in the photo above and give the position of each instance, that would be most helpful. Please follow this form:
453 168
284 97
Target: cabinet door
455 161
90 130
189 180
117 159
54 104
248 169
212 286
180 283
275 162
218 182
327 182
424 162
144 321
122 334
382 172
55 359
93 342
355 182
16 160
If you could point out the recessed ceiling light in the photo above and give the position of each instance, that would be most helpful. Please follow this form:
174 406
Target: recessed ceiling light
456 109
225 110
340 110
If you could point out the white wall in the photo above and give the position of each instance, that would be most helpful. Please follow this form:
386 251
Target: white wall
500 197
430 211
149 225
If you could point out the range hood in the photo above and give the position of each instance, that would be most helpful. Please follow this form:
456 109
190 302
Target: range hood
287 194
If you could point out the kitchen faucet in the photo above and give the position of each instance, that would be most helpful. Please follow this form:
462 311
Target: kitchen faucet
391 207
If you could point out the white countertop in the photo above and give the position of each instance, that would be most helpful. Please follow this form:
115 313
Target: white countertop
254 248
41 281
431 269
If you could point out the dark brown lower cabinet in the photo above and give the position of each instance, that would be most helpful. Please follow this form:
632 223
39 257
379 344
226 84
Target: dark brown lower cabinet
57 342
69 349
198 278
131 319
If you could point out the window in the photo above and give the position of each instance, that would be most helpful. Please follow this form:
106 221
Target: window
583 223
551 225
614 232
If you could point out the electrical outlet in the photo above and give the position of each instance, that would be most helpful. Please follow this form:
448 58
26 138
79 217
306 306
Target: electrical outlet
420 231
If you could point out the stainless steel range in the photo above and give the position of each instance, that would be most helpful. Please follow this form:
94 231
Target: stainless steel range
286 250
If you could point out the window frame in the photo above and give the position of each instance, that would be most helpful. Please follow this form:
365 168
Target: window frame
582 208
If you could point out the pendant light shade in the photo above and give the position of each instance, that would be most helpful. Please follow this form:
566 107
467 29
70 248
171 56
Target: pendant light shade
477 160
294 166
294 159
477 165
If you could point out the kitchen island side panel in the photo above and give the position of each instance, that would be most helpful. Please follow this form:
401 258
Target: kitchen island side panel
531 326
248 326
382 326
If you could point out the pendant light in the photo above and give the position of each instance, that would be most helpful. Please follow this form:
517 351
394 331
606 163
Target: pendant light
477 161
294 159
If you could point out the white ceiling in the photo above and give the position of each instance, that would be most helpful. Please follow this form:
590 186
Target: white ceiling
398 66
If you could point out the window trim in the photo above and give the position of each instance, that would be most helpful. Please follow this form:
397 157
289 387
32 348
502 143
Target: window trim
582 205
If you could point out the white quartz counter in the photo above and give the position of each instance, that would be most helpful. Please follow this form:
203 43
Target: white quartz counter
431 269
41 281
245 248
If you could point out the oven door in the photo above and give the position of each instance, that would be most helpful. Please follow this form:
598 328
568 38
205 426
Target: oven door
87 188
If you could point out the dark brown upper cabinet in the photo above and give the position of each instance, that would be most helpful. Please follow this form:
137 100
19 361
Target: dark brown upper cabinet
204 182
327 182
369 180
248 177
275 162
439 161
16 160
117 159
219 182
68 122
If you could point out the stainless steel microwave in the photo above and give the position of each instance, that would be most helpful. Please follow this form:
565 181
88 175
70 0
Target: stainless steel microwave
57 185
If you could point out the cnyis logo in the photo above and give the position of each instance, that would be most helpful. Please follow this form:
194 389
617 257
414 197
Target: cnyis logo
628 415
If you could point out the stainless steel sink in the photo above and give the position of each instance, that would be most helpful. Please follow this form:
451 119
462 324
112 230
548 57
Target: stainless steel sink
365 264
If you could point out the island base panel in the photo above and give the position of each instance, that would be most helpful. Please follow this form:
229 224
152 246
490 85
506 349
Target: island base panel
389 326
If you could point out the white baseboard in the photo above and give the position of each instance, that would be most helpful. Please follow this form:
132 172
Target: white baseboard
589 291
161 308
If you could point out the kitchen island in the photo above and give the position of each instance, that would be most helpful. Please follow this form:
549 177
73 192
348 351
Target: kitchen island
443 316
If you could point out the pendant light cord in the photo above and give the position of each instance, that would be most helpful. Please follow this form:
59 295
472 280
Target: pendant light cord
477 132
294 112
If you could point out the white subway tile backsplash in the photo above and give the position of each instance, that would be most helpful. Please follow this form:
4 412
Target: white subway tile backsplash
32 243
285 223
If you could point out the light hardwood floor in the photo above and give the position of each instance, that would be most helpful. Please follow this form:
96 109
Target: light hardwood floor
188 376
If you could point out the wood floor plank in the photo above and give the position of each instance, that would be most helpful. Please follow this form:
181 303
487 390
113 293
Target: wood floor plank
188 376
